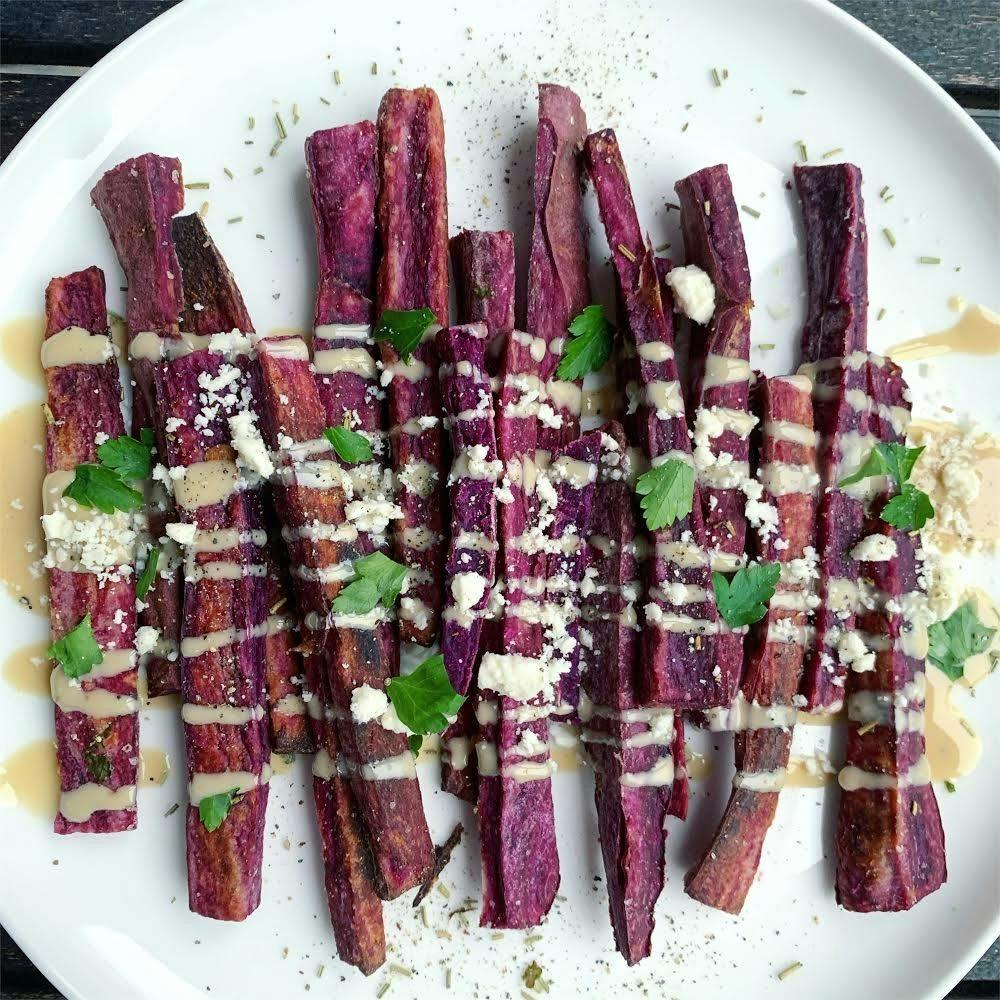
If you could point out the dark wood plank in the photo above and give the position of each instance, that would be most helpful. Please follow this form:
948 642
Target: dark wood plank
24 99
71 32
955 41
19 978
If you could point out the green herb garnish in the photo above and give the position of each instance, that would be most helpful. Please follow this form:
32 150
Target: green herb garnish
425 699
377 578
911 508
77 651
482 292
667 493
130 458
98 765
213 809
960 636
148 573
589 345
404 328
743 600
350 446
95 486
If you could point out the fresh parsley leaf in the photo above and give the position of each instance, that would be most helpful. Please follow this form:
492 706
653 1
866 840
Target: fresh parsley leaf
873 465
960 636
95 486
98 765
131 459
148 573
404 328
911 508
589 346
482 292
357 598
213 809
909 511
667 492
743 600
378 578
425 698
416 742
886 459
350 446
77 651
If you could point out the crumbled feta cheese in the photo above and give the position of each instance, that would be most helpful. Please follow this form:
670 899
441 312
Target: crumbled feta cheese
694 293
251 452
874 548
853 653
146 638
367 703
183 534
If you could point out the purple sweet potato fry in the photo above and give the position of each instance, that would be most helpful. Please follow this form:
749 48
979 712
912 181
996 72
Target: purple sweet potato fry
713 241
137 200
209 285
724 874
688 659
630 817
413 274
83 402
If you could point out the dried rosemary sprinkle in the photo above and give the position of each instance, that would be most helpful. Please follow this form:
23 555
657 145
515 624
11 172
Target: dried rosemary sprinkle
765 347
672 205
717 79
890 236
228 173
798 92
625 252
323 99
258 170
444 890
336 77
259 236
295 114
383 989
836 151
684 127
881 314
251 121
280 125
785 973
950 785
803 152
967 726
198 185
374 69
400 970
275 148
930 260
447 978
203 211
750 211
662 247
235 218
172 810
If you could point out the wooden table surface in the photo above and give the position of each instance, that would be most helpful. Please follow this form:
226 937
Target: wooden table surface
46 44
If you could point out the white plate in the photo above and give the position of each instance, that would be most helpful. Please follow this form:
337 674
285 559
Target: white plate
110 920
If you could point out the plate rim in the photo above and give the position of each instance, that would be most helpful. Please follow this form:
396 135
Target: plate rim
187 9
